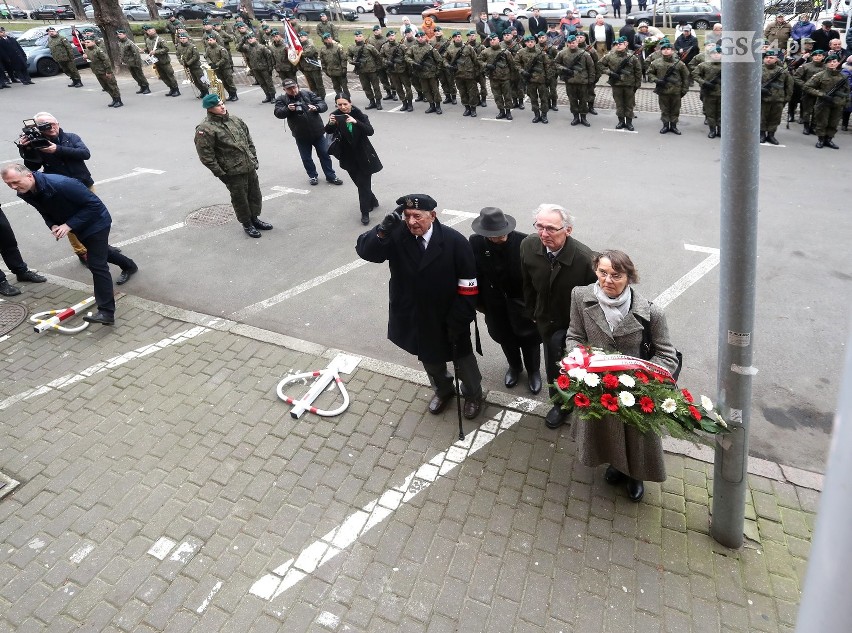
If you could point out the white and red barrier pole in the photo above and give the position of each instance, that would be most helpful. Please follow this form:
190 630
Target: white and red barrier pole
59 316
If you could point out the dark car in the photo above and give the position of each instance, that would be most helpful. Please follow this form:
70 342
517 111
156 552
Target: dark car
312 10
700 15
200 11
52 12
14 13
410 7
262 10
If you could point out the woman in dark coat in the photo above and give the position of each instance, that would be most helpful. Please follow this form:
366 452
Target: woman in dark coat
610 314
379 12
497 251
357 155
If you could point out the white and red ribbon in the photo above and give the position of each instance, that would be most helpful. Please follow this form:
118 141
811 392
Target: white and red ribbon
598 363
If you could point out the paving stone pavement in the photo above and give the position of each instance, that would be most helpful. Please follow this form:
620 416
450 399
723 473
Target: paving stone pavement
156 492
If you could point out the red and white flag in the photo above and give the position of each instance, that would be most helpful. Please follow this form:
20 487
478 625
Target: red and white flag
291 41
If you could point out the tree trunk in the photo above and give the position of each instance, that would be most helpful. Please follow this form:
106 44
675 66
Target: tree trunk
109 16
477 7
248 7
152 9
77 7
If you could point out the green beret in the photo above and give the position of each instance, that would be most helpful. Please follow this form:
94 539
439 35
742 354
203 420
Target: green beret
571 38
210 101
206 21
212 36
121 31
323 15
51 28
301 33
325 36
88 29
357 33
494 36
420 34
818 51
832 57
419 201
472 32
541 34
376 27
718 49
274 32
239 24
438 28
145 27
619 40
88 38
389 33
771 53
529 38
455 33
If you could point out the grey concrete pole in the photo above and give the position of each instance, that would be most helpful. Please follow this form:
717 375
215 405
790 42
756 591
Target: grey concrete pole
741 73
826 606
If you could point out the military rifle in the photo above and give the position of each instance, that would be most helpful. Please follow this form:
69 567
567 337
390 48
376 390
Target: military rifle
661 84
615 75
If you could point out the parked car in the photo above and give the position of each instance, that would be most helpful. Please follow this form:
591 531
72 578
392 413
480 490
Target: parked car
52 12
450 12
700 15
358 6
312 10
200 11
410 7
591 8
506 7
8 12
262 10
551 11
170 4
139 12
287 4
39 59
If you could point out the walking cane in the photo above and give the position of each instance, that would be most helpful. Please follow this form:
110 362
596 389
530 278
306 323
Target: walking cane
458 391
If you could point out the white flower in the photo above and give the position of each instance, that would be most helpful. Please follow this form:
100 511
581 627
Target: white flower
592 380
707 403
626 398
669 405
577 373
626 380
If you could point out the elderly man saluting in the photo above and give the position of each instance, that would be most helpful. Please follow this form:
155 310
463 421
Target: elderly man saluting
432 295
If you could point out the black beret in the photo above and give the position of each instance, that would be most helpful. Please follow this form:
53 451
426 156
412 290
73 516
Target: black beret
418 201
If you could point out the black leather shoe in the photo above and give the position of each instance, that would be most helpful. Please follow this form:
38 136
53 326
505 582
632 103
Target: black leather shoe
555 417
673 129
830 143
371 105
438 404
8 290
31 276
613 476
472 407
534 381
334 181
100 317
512 375
635 489
482 103
770 138
250 230
125 275
260 224
592 111
628 125
365 219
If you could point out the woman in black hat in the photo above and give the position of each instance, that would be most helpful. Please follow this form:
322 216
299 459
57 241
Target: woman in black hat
496 248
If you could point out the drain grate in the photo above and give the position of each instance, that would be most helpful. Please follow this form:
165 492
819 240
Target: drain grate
11 316
216 215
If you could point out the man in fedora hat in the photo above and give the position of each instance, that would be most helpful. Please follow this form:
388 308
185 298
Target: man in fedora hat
433 291
497 251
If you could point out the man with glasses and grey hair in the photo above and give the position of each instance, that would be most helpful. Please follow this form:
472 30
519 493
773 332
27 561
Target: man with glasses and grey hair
553 263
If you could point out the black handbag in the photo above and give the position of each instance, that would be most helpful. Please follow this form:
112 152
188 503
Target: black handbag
332 143
647 350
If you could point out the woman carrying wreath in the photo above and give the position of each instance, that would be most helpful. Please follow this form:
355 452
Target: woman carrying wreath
609 314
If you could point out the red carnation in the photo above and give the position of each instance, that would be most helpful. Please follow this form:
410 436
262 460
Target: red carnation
610 381
563 382
695 413
609 401
641 377
687 396
646 404
582 401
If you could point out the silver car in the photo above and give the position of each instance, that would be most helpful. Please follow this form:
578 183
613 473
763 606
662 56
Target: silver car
39 60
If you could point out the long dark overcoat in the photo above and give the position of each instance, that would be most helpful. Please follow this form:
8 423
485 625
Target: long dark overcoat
356 150
427 299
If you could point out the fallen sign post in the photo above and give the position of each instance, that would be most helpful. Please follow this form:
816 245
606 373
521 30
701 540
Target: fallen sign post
59 316
340 364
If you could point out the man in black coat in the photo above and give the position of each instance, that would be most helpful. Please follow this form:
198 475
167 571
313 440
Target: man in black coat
537 23
302 110
432 292
629 31
13 58
823 36
512 22
497 24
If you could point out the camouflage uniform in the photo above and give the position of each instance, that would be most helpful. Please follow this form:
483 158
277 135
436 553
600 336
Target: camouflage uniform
426 64
131 58
708 75
406 44
190 59
532 64
445 77
463 63
262 62
328 27
551 73
393 54
802 75
283 66
828 110
377 40
225 147
776 89
101 67
219 60
366 61
158 48
172 28
499 64
62 52
517 83
591 95
578 70
625 77
672 83
480 71
333 61
309 64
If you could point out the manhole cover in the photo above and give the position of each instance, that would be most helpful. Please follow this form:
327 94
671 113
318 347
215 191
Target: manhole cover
11 316
217 215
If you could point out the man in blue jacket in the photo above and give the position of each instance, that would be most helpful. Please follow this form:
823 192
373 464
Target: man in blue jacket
67 205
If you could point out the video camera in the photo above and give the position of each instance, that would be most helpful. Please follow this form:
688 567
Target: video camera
32 132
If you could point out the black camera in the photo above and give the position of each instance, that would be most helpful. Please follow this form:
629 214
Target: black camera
298 108
32 132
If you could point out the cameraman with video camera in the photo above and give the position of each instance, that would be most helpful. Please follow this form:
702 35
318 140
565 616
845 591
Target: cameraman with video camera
302 110
47 146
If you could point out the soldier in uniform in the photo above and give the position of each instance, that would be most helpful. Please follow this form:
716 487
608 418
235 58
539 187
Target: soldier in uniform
463 63
208 30
517 84
101 67
532 64
226 37
426 63
498 64
283 66
131 58
173 25
407 42
62 52
445 77
377 40
830 88
577 69
262 62
393 54
671 76
154 45
708 75
480 72
795 61
190 59
225 147
333 59
775 90
551 70
802 75
591 95
324 26
625 77
366 61
309 64
219 60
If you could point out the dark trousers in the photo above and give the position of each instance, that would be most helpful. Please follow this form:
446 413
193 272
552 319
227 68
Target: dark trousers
554 351
305 146
99 258
245 195
19 71
138 76
363 181
9 249
468 372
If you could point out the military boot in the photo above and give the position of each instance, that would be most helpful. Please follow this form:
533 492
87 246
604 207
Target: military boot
410 107
537 117
438 108
419 97
583 121
140 91
712 132
762 136
501 114
665 128
447 99
232 96
116 103
388 96
620 124
806 130
844 128
466 111
77 84
575 120
628 125
520 105
394 96
770 138
472 111
820 144
371 105
592 109
544 116
508 115
430 109
378 105
482 103
553 105
830 143
673 129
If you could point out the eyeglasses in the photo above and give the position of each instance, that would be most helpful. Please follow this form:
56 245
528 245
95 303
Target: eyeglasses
612 276
543 228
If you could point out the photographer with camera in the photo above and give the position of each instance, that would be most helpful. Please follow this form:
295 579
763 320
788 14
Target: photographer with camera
301 109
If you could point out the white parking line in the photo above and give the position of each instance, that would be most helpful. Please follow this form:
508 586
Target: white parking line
362 521
680 286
